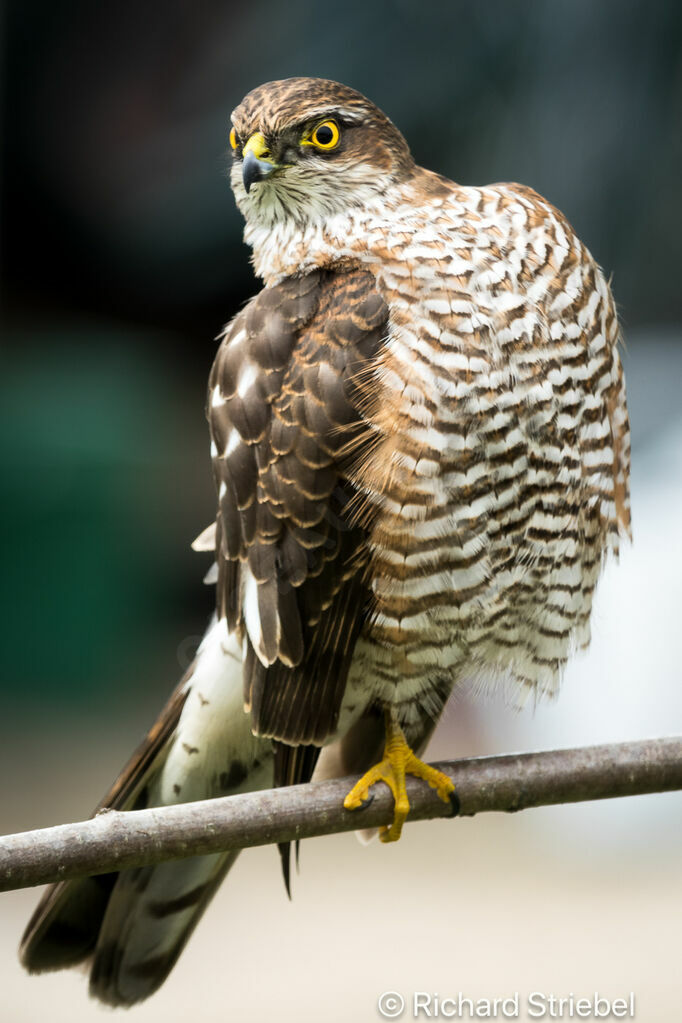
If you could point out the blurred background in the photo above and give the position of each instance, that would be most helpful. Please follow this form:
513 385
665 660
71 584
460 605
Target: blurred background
121 259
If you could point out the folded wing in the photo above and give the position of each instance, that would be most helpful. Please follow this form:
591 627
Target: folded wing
287 392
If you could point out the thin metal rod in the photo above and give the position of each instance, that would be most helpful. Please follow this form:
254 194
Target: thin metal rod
112 841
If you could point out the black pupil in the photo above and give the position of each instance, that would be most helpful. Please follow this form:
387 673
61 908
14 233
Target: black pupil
324 135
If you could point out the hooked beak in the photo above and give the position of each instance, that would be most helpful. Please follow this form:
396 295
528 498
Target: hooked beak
257 162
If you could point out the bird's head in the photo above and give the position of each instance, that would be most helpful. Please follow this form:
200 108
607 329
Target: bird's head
305 149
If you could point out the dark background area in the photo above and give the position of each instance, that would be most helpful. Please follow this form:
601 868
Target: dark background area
122 257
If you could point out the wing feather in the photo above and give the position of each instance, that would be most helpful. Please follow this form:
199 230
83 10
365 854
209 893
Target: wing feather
285 411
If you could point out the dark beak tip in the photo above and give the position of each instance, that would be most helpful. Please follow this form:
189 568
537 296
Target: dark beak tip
254 170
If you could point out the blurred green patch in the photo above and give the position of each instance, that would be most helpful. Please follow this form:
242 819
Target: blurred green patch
95 441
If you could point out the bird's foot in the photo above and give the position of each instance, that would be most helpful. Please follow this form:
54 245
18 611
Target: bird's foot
398 761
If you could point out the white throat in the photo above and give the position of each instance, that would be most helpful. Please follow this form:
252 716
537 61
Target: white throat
303 223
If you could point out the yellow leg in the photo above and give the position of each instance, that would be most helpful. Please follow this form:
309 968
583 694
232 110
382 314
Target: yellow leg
398 761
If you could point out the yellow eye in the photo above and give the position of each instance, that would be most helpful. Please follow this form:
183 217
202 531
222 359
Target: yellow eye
233 139
326 135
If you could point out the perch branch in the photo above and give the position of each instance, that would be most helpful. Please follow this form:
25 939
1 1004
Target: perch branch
112 841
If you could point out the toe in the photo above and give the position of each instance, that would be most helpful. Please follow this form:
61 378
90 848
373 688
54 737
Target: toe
356 798
445 790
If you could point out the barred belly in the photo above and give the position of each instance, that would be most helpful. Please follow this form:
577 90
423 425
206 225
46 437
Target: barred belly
495 487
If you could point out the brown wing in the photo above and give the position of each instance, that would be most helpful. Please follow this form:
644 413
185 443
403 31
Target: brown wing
285 400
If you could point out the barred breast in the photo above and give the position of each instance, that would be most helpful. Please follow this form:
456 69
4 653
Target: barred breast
502 477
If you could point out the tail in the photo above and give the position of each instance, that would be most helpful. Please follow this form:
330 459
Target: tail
132 926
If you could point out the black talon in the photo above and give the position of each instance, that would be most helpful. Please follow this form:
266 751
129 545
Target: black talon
454 803
367 802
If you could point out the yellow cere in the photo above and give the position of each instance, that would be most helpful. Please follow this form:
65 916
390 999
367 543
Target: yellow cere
258 146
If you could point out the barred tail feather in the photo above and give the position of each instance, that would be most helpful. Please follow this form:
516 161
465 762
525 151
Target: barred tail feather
148 921
133 925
